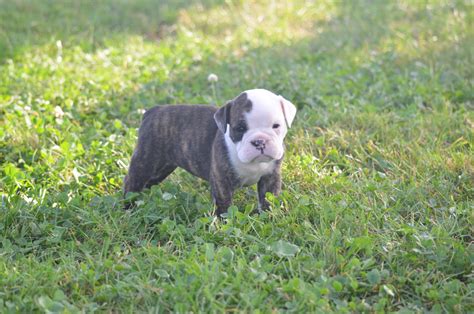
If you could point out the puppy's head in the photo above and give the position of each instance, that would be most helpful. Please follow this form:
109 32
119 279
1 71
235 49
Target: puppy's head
255 123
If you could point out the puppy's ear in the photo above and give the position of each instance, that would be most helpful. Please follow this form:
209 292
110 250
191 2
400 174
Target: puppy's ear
222 116
289 111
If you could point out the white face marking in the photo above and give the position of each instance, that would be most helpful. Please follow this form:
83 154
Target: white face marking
249 173
266 112
262 144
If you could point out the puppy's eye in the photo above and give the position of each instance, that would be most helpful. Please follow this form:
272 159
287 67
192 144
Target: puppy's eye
241 128
276 126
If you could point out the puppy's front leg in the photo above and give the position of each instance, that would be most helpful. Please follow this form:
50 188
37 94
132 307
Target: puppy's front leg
222 192
269 183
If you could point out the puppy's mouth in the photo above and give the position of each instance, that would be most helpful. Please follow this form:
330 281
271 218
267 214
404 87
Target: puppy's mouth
262 158
256 152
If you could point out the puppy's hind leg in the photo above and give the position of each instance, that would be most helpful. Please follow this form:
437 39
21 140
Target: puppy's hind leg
159 175
145 172
139 173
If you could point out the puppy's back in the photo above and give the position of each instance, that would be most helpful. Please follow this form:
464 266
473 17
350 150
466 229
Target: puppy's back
183 134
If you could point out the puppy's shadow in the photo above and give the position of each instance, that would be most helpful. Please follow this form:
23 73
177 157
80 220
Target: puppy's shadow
181 197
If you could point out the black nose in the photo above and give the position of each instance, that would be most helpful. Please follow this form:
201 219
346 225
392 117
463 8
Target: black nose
258 143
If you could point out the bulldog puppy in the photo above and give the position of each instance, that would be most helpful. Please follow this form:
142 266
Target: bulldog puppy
236 145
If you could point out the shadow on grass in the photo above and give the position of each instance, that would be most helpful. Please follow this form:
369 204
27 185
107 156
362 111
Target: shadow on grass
348 59
88 24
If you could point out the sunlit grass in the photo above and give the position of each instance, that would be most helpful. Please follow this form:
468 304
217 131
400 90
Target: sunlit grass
377 203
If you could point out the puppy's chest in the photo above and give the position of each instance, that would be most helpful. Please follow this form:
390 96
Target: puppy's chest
251 173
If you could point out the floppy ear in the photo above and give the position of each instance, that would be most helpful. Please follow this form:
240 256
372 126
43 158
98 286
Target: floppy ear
222 116
289 111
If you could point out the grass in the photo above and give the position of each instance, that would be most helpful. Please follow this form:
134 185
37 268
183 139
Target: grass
377 211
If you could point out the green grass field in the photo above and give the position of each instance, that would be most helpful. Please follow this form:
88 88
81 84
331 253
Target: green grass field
377 212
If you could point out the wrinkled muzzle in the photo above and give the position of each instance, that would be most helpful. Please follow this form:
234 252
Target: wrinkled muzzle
259 147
